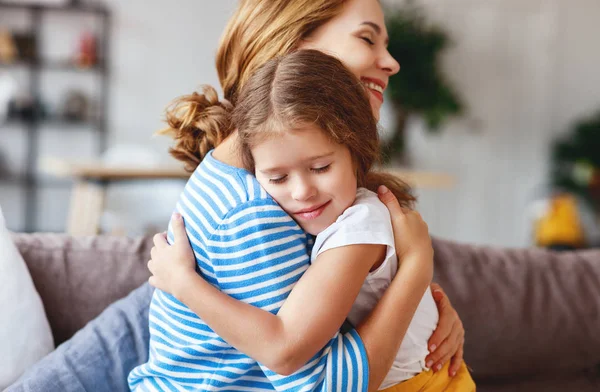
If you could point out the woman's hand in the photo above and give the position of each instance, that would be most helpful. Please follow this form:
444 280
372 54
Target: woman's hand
170 265
448 339
411 236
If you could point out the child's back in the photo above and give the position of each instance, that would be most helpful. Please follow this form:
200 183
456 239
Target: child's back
367 221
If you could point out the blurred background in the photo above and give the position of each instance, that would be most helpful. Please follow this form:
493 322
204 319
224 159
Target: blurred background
494 117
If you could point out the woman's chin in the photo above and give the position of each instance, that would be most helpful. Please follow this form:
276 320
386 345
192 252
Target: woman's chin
376 107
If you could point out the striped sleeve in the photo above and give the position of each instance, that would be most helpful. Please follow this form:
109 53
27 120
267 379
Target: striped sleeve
258 254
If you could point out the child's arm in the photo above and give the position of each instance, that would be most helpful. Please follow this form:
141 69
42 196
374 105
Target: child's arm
312 313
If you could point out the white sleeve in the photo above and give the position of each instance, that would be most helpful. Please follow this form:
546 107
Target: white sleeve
367 221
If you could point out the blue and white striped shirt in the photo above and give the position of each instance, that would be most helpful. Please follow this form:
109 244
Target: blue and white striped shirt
249 248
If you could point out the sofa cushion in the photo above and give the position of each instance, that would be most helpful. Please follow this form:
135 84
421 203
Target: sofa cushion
525 311
25 334
100 356
77 277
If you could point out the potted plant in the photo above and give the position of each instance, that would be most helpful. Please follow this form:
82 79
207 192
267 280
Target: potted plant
421 87
575 163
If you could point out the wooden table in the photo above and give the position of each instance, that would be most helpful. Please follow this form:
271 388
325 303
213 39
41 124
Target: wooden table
92 178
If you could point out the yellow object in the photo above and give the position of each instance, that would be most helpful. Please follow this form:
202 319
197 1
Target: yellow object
429 381
8 51
561 225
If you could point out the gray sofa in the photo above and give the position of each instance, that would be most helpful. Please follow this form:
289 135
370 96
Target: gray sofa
532 317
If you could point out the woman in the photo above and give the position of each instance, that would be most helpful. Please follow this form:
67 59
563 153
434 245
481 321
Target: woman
352 30
307 134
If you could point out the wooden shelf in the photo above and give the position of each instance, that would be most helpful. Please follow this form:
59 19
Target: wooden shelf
51 122
54 65
34 67
83 8
423 179
102 172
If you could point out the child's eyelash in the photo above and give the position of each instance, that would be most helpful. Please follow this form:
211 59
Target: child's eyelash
317 170
321 169
277 180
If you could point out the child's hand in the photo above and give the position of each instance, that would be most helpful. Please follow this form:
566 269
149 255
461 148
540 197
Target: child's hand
170 265
411 233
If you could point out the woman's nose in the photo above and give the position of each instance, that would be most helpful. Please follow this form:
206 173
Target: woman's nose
388 63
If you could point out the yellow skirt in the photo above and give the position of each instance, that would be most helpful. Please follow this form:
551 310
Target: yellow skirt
433 382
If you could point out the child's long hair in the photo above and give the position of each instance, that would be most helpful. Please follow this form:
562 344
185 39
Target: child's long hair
310 87
258 31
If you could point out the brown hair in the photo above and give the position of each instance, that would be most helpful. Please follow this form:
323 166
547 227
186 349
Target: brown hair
310 87
258 31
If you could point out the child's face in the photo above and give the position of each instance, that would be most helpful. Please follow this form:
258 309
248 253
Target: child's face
312 178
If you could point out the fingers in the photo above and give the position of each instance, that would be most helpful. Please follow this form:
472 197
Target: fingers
438 293
449 347
178 228
150 265
456 360
442 355
443 330
390 201
160 240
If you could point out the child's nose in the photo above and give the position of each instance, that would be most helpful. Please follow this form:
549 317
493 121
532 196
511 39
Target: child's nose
303 190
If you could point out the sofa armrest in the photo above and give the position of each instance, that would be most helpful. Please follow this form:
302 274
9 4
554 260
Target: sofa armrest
525 311
77 277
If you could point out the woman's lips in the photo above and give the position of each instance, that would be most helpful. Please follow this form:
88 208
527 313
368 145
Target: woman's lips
377 95
375 87
312 214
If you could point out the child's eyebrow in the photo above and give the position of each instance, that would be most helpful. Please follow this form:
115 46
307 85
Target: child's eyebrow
277 170
326 155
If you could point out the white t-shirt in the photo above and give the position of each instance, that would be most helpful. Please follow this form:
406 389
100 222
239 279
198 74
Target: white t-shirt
368 221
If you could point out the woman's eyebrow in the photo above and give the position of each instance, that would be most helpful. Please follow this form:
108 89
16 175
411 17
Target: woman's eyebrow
375 27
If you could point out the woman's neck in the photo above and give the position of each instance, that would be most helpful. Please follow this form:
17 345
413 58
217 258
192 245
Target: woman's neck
227 152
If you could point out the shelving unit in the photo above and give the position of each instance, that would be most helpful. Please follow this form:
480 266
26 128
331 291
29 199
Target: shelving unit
29 180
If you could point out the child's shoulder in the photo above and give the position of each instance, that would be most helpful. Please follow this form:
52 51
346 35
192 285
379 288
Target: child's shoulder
366 208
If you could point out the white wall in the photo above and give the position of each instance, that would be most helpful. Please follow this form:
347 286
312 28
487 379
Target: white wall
527 69
158 51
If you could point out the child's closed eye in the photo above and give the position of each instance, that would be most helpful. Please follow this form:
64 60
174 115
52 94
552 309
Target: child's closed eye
278 180
321 169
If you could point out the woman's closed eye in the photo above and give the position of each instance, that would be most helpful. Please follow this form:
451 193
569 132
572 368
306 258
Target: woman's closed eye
368 40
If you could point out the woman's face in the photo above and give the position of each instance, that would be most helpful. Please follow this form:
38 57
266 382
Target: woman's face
358 38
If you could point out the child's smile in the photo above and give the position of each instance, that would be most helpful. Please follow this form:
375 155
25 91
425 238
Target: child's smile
312 178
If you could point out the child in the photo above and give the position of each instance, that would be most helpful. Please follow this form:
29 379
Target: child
246 245
307 134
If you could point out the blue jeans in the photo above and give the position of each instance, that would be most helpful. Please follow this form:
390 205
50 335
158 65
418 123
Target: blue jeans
100 356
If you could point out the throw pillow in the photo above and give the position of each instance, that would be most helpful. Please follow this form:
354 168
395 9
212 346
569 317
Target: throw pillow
25 334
